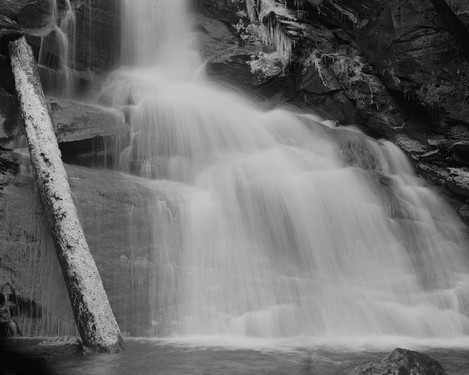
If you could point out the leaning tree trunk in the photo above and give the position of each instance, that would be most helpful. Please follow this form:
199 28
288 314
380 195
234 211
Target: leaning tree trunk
95 320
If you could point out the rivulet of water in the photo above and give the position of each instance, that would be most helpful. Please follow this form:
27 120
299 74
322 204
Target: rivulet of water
60 36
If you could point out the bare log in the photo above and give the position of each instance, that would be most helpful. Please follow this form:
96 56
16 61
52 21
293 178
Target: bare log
95 321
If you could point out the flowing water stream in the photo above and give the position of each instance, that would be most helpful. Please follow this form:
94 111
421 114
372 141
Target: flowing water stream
259 229
288 227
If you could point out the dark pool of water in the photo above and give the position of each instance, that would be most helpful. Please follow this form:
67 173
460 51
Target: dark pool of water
144 357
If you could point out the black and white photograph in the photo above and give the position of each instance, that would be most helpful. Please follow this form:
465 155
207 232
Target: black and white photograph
234 187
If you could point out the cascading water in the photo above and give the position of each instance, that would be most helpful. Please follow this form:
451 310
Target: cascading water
63 28
286 227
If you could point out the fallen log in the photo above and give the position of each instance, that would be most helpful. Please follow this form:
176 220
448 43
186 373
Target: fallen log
93 314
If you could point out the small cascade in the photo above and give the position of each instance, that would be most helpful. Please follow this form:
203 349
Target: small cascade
62 39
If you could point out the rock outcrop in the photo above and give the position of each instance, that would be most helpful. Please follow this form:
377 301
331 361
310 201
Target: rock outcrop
396 69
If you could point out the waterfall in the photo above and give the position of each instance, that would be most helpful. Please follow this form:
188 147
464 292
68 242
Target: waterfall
288 226
60 37
253 224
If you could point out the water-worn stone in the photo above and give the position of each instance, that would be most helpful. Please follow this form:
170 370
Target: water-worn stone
401 362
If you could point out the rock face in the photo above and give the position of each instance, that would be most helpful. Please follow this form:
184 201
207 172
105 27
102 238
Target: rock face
24 16
107 202
397 69
98 27
401 362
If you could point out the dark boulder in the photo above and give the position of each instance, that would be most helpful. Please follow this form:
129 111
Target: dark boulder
401 362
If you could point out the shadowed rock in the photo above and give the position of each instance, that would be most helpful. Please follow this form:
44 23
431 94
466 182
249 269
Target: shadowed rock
401 362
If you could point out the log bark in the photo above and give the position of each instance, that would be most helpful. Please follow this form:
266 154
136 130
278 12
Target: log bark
93 314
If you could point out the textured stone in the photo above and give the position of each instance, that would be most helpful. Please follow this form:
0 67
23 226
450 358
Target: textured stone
401 362
75 121
98 27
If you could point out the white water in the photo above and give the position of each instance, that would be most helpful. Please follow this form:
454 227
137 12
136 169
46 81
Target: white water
288 228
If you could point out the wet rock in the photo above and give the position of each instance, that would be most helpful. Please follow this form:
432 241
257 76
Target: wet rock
401 362
74 121
35 17
21 232
58 346
8 327
82 129
107 202
98 25
10 118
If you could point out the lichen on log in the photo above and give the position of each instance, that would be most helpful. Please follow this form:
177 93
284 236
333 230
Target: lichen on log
93 314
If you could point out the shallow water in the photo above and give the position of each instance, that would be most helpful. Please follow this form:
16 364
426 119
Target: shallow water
156 357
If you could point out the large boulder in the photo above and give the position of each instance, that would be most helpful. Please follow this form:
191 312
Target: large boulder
401 362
